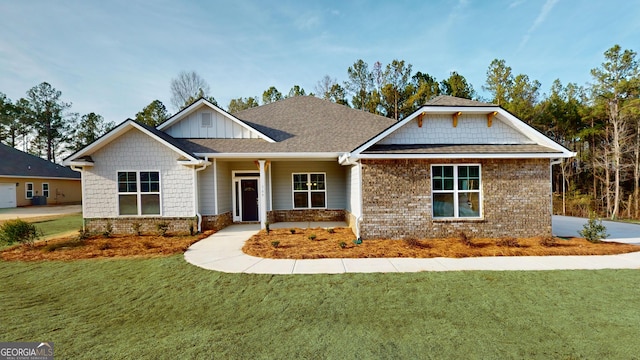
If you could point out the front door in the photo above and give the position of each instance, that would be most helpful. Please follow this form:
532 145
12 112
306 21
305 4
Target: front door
249 199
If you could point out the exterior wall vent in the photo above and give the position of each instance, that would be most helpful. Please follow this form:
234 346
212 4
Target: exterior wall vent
205 120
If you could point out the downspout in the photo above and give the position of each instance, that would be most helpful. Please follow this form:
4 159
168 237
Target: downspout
81 171
359 218
196 201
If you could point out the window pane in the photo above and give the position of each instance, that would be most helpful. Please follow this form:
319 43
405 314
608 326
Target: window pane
469 204
437 184
443 205
442 178
299 181
448 184
128 204
448 171
149 181
474 171
317 181
318 199
150 204
300 200
127 182
437 171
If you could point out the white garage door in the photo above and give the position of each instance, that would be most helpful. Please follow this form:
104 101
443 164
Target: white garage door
7 196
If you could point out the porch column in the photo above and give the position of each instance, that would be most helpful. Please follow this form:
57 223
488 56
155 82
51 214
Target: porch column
262 195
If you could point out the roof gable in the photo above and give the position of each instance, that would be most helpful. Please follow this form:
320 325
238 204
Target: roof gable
78 157
16 163
204 120
442 122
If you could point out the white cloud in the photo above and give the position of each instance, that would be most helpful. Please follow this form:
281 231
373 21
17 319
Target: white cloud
542 16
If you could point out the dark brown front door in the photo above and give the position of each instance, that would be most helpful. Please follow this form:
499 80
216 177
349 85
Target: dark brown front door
249 200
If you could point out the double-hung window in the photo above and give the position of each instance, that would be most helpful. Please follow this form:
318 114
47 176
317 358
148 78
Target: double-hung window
45 190
309 191
456 191
28 190
139 193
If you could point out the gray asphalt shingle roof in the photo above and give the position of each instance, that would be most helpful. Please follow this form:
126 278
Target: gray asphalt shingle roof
14 162
460 149
300 124
446 100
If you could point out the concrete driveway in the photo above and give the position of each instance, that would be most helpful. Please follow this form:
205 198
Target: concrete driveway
38 211
619 232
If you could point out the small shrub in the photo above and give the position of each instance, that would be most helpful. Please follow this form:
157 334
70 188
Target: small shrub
357 241
83 234
465 239
275 244
331 231
548 241
191 229
593 230
18 231
508 242
163 228
312 237
412 242
108 229
105 246
266 227
148 245
342 244
292 231
137 228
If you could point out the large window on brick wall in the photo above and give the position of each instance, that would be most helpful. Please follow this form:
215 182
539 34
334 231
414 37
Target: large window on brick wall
456 191
309 191
138 192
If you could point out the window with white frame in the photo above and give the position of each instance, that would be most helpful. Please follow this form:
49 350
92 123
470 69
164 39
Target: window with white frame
138 192
45 190
309 190
28 187
456 191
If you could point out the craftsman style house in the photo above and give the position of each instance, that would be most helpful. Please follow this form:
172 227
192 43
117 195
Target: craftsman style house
453 165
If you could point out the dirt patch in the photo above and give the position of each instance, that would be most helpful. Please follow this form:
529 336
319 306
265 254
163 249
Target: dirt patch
70 248
283 244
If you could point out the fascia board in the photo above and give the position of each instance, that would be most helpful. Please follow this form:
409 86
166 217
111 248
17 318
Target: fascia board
466 156
279 155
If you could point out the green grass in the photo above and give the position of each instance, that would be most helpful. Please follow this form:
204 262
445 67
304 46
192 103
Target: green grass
59 225
166 308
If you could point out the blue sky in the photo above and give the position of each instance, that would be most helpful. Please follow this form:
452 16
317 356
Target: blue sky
115 57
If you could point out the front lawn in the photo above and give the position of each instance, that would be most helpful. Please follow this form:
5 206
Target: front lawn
165 308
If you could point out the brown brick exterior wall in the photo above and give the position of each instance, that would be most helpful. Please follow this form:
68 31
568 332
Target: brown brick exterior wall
217 222
397 199
305 215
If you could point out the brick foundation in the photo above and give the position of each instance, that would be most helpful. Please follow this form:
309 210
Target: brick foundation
177 226
516 200
217 222
275 216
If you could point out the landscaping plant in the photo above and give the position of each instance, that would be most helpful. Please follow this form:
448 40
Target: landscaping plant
19 231
593 230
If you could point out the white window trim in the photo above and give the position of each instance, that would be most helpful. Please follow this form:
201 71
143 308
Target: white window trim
139 193
26 190
456 191
308 191
47 191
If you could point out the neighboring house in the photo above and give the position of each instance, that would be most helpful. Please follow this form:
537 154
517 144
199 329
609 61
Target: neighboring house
454 165
26 179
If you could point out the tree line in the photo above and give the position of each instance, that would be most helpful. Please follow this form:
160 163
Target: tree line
600 120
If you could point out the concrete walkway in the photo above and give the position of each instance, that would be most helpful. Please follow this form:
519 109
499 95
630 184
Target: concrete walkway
222 251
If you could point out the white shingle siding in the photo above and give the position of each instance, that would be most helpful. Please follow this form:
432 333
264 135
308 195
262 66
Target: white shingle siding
471 129
221 127
135 151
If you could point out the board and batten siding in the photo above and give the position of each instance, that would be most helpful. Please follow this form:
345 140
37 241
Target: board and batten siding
282 187
225 203
136 151
206 123
206 191
471 129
